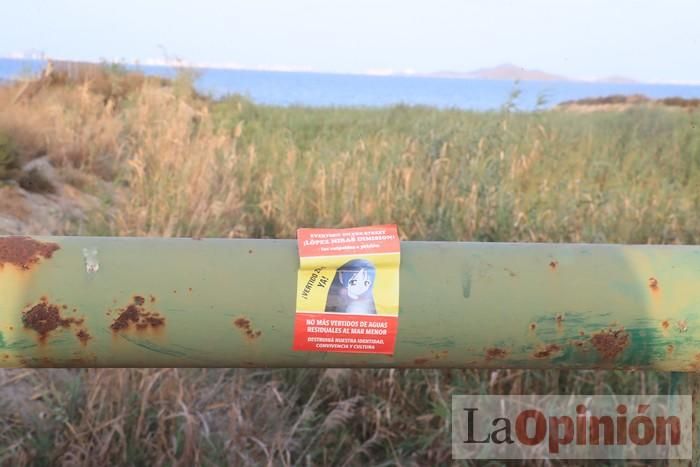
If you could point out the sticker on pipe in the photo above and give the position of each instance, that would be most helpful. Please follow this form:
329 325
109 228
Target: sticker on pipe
347 290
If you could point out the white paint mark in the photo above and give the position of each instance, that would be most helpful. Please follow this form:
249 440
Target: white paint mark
91 263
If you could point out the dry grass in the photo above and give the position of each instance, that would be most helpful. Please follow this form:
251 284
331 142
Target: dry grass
178 170
71 124
184 166
257 417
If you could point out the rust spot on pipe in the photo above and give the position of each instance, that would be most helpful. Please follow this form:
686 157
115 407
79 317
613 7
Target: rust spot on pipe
421 361
533 326
495 353
244 325
24 252
135 314
610 342
553 265
580 344
83 336
669 348
665 324
45 317
547 351
130 314
654 284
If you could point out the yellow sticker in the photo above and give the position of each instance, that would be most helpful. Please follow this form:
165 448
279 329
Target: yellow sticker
348 290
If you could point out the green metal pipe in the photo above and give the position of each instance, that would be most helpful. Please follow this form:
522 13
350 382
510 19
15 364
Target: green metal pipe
68 301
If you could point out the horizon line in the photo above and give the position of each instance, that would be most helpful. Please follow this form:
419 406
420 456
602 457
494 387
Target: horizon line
379 72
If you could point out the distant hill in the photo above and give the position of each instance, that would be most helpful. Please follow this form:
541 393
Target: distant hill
510 72
507 72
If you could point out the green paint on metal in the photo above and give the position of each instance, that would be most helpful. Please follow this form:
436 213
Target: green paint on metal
466 282
156 348
21 345
469 305
433 344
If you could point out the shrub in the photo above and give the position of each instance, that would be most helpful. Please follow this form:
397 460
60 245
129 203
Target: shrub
9 157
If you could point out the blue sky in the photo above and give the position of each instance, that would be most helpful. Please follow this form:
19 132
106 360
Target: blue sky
655 40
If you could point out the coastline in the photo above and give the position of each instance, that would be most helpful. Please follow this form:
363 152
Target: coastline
318 90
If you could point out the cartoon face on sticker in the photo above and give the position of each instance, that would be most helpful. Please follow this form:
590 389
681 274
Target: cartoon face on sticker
351 289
